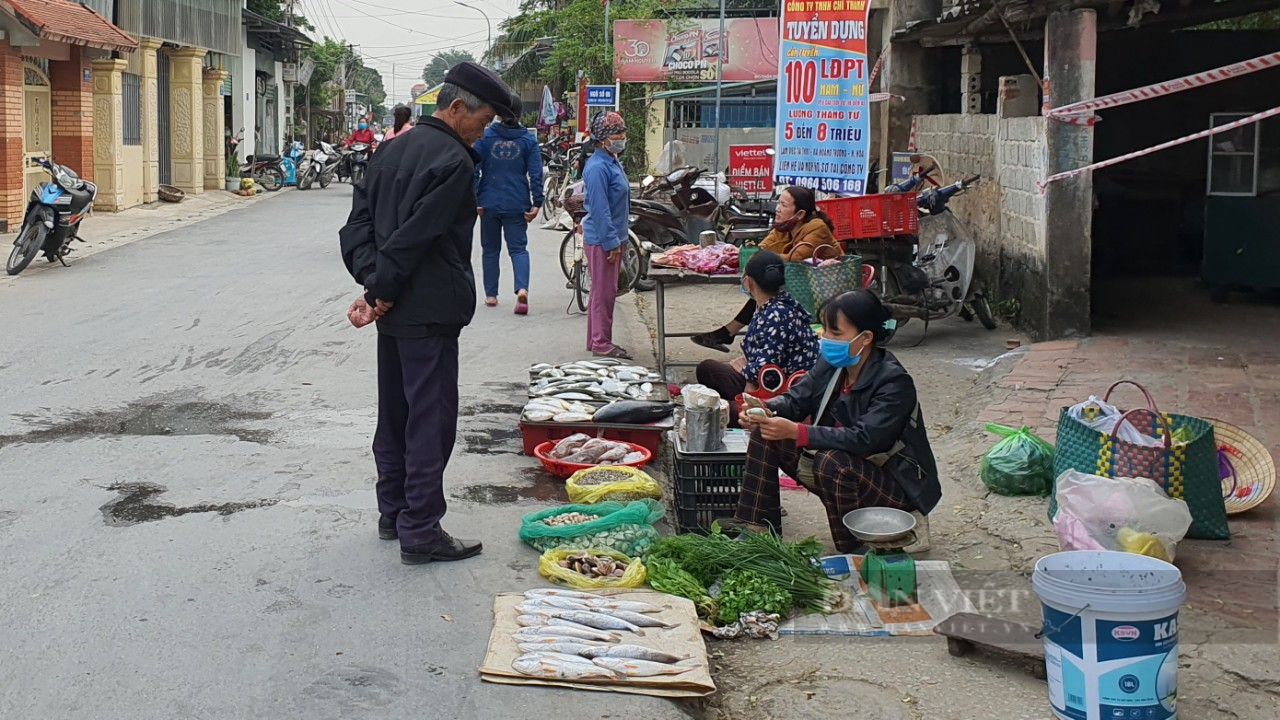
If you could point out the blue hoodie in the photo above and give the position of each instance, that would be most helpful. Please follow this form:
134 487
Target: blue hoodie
509 171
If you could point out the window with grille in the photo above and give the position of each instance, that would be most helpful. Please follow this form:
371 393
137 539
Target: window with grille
132 98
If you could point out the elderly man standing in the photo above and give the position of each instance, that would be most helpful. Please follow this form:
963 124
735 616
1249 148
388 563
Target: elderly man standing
408 243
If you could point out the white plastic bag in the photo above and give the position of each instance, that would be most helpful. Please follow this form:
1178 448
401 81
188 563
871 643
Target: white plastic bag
1127 514
1103 416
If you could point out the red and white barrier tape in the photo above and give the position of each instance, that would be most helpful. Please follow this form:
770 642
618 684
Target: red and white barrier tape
876 70
881 97
1162 146
911 140
1081 113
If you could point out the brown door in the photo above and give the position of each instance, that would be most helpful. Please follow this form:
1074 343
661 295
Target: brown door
37 137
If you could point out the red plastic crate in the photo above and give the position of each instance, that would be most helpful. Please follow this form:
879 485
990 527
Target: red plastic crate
872 216
648 437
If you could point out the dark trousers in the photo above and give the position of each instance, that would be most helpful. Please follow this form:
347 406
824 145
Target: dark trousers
726 380
746 313
417 426
844 483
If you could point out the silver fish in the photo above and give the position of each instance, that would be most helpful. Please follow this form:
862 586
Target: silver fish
590 364
560 592
639 668
539 367
555 601
573 395
600 621
634 618
569 647
563 633
539 415
601 634
629 652
610 604
543 666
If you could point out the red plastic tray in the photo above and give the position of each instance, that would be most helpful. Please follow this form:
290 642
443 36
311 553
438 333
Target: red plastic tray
562 469
648 437
872 216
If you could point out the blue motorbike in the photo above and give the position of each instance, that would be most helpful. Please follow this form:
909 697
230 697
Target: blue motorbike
53 215
292 158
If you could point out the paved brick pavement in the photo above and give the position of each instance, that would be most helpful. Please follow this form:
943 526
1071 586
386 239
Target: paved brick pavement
1238 579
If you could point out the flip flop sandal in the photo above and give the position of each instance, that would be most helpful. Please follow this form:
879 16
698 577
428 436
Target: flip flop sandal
522 304
617 353
491 302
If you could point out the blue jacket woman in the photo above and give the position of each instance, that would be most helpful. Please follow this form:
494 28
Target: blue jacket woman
509 188
608 204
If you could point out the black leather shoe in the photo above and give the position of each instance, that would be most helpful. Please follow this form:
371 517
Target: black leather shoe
447 549
387 528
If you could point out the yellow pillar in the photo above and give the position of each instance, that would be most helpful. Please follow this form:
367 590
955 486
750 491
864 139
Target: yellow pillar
108 133
215 169
147 48
186 118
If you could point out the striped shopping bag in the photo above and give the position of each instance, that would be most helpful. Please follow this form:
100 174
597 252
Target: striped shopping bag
1187 469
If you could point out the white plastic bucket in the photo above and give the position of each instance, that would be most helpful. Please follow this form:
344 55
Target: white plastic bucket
1110 634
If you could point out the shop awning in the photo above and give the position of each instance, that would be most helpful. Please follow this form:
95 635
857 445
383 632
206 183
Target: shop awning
68 22
429 97
709 90
260 25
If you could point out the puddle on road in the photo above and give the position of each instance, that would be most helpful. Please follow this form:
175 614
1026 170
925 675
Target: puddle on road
530 484
135 505
149 418
492 441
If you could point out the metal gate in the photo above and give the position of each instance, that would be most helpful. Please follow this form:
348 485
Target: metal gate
162 119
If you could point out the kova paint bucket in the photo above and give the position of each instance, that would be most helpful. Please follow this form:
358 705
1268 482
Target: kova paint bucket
1110 634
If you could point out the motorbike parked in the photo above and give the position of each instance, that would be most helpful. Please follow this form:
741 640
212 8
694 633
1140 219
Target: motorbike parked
937 283
53 215
291 160
321 167
698 203
267 171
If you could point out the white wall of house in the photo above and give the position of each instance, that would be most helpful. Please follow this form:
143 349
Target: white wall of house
243 104
282 101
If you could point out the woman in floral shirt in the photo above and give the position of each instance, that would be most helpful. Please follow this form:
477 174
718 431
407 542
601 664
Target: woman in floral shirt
780 334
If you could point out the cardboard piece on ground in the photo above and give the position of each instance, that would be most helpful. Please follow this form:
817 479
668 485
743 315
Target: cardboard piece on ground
938 597
683 639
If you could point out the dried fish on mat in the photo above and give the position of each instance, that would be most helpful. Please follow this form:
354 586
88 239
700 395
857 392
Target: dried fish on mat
639 668
539 633
634 652
544 665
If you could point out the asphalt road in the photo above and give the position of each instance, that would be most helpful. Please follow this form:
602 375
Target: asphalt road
187 516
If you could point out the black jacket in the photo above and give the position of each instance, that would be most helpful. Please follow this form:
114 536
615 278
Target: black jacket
880 410
409 236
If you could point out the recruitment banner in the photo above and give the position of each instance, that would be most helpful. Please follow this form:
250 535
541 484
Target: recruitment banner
823 108
751 168
689 50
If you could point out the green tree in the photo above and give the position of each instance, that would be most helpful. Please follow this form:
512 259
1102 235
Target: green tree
433 73
274 10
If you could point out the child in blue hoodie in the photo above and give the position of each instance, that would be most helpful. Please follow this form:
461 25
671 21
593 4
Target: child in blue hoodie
509 187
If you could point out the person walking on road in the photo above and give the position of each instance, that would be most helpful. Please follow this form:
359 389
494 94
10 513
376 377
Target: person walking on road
408 242
604 229
509 183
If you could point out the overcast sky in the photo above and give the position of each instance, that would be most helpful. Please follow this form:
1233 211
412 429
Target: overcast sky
402 35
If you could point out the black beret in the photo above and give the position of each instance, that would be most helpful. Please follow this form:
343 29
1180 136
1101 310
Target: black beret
484 84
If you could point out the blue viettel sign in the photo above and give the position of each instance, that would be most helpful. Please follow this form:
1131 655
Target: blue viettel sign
602 96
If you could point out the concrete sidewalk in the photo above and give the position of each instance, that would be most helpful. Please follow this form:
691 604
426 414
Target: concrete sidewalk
104 230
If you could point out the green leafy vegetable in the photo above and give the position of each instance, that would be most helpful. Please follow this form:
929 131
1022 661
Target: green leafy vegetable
789 566
744 591
667 576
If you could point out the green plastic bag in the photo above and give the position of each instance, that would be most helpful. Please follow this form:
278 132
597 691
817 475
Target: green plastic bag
627 529
1020 464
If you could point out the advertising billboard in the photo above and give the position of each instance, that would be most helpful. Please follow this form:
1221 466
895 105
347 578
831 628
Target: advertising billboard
689 50
823 108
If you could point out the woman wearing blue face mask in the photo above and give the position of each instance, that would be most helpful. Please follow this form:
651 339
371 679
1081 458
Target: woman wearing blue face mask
851 430
605 228
779 334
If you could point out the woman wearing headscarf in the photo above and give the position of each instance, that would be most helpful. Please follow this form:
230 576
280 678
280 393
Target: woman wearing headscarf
604 229
800 231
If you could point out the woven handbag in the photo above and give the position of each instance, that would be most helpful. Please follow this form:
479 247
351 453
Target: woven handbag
814 285
1186 470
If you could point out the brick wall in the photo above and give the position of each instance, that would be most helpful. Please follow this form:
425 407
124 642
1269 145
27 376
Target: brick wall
1006 211
11 199
72 105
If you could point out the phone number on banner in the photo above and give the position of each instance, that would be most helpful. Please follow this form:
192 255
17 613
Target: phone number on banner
824 184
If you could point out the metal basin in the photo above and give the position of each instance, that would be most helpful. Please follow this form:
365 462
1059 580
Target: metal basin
879 524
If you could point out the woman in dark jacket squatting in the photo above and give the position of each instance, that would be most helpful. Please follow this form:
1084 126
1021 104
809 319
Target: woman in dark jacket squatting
855 417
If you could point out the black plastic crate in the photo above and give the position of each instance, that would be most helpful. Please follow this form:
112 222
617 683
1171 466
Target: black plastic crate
706 489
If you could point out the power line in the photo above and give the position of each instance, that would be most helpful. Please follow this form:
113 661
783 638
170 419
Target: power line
392 24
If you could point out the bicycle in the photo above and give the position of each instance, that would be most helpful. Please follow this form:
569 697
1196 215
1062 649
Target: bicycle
573 263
